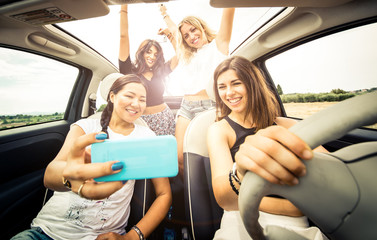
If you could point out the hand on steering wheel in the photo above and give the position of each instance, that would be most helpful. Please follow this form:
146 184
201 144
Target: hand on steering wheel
274 154
344 190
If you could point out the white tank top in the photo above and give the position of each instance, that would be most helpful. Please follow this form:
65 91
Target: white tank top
197 75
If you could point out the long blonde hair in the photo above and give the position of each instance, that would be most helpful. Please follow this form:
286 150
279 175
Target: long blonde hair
185 51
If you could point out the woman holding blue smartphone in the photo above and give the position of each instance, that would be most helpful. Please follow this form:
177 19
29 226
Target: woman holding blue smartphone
72 212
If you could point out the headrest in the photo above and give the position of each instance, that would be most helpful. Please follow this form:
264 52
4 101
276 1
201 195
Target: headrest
107 82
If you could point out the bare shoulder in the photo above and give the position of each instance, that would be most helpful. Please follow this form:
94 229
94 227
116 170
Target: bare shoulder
220 127
221 132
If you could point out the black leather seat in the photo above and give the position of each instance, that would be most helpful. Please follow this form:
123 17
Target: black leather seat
142 199
202 210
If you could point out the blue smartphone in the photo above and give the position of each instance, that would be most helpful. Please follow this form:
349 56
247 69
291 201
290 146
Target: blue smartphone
148 157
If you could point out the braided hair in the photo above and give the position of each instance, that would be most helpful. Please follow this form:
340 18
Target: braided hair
115 88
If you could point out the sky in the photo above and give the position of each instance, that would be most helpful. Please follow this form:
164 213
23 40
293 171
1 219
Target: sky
145 20
342 61
23 87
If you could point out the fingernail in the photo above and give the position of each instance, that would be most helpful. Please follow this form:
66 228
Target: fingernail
117 166
302 173
101 136
307 154
295 181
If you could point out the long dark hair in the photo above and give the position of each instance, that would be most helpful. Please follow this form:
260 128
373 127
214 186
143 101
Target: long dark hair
141 66
115 88
261 105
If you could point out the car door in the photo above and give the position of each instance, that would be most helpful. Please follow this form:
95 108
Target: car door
41 97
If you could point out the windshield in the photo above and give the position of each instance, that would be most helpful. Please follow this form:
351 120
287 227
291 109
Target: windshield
145 20
102 33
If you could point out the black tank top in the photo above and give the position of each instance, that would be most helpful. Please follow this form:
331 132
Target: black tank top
156 86
241 134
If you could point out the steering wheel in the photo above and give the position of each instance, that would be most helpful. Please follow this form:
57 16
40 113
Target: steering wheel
339 192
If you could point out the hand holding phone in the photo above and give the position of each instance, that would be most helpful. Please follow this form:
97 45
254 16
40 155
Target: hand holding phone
148 157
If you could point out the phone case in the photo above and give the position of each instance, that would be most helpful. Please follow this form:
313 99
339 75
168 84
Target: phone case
149 157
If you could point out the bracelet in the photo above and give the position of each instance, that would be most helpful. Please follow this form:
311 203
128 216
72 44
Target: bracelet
234 173
123 11
67 183
80 189
138 231
232 184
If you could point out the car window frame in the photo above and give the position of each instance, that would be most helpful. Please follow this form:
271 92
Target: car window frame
76 100
261 61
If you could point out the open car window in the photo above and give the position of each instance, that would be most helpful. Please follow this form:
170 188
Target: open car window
33 89
322 72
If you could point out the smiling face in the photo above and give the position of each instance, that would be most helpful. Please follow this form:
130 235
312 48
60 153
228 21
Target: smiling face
232 91
150 56
129 102
193 36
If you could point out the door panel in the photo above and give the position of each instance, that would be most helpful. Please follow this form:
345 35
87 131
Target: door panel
23 158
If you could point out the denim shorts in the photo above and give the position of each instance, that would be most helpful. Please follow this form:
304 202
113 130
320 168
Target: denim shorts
189 109
35 233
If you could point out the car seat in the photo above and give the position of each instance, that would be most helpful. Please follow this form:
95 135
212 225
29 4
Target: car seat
201 207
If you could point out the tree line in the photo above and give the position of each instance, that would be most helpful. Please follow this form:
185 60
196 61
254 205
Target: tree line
336 95
10 121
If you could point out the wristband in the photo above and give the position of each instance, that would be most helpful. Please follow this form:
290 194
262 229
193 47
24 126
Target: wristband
67 183
138 231
234 173
232 184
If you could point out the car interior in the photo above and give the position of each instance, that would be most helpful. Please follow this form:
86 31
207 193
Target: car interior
31 27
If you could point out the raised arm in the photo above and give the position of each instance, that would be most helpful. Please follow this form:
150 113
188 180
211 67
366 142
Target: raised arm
124 43
171 33
225 32
169 22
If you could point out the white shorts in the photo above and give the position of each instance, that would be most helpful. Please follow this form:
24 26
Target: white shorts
232 228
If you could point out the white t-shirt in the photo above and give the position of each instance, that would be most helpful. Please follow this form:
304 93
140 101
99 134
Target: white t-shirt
197 75
68 216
